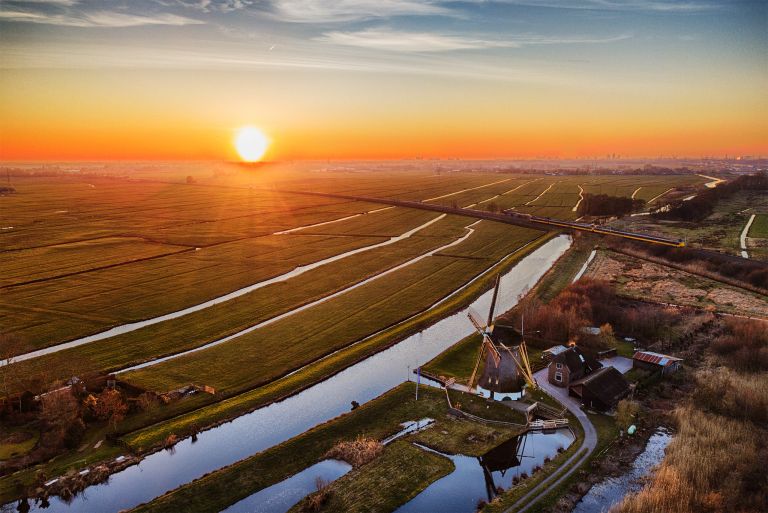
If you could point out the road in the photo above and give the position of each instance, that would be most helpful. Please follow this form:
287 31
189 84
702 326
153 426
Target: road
579 457
743 237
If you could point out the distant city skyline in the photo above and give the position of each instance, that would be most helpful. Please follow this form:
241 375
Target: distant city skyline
366 79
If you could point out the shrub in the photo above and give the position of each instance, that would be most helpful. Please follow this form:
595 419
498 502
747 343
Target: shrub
357 452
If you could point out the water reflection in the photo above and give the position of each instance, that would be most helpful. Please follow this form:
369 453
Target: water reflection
481 478
280 497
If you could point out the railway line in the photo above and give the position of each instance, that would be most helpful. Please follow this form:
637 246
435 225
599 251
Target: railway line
510 217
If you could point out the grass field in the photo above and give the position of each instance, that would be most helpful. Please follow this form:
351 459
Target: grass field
271 351
759 228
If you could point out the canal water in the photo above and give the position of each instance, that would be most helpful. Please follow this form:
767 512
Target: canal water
476 479
604 495
268 426
281 497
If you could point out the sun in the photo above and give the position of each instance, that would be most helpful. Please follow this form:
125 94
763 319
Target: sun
251 143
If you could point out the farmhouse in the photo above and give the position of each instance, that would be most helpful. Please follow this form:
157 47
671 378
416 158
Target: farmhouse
602 389
571 365
648 360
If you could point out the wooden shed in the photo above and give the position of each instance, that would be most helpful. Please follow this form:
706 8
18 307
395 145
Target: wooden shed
648 360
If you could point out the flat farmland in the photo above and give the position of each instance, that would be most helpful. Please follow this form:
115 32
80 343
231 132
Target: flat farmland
226 318
273 350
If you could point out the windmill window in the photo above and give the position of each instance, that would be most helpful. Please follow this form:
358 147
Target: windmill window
558 376
558 366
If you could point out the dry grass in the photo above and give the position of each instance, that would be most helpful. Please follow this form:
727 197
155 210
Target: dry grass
714 464
357 452
734 395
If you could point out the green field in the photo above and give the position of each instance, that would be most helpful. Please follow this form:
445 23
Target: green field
759 228
272 351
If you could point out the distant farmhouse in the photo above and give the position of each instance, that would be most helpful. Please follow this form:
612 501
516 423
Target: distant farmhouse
656 362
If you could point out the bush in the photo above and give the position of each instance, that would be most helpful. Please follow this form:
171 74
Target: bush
357 452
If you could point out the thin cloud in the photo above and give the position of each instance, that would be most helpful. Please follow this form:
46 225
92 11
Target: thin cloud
669 6
97 19
323 11
399 41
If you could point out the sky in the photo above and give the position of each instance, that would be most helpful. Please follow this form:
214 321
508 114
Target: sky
378 79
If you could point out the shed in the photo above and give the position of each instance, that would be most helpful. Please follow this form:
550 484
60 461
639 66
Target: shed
602 389
648 360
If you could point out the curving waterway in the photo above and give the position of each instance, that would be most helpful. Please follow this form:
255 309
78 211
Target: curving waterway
273 424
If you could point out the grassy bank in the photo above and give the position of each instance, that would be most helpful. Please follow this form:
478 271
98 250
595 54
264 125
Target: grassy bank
394 478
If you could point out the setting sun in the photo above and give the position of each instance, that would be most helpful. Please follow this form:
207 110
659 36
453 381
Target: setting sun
251 144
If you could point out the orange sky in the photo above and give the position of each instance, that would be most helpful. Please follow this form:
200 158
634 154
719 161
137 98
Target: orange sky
361 87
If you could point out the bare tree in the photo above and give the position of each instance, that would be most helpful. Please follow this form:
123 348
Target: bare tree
111 407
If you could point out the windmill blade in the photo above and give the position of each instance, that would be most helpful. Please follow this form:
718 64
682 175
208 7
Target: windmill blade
493 300
477 365
492 350
479 327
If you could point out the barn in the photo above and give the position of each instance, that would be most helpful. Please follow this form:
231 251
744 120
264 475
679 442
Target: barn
600 390
656 362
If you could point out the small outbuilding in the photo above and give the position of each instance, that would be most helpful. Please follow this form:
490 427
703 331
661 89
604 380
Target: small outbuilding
656 362
570 365
602 389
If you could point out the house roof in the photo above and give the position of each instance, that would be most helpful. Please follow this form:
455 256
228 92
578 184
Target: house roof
656 358
555 350
607 384
575 360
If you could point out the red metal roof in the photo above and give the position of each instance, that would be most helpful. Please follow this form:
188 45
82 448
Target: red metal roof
655 358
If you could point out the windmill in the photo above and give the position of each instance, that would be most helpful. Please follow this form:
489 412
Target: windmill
506 357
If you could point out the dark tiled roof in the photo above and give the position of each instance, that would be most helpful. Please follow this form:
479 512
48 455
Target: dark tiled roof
575 359
607 384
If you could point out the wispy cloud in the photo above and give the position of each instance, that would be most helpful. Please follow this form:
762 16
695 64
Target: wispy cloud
324 11
96 19
400 41
669 6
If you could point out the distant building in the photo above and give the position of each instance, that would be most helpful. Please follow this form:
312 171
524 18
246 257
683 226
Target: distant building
648 360
570 365
600 390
